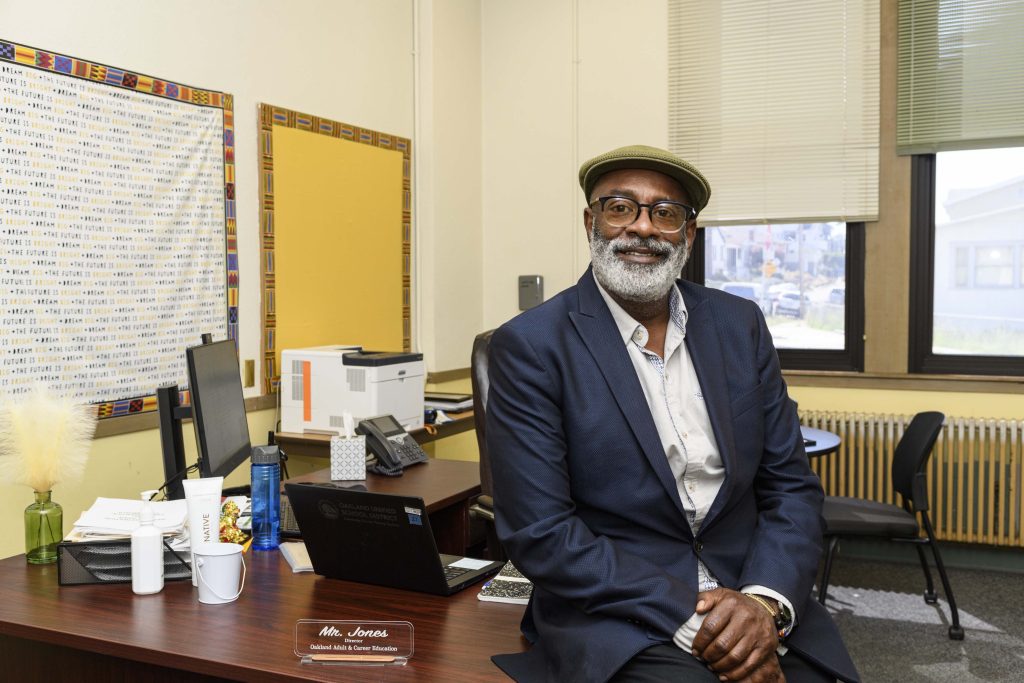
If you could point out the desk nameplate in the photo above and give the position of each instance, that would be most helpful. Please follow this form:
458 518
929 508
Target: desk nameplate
354 643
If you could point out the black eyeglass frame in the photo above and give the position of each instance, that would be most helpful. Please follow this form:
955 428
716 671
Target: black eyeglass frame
690 212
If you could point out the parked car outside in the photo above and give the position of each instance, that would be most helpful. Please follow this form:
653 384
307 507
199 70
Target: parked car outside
748 290
837 295
788 303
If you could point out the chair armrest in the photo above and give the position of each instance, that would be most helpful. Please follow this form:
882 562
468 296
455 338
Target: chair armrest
480 512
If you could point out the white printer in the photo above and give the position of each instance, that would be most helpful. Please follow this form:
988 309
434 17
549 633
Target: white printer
321 383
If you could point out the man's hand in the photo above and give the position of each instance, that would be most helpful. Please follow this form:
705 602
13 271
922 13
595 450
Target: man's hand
769 671
737 639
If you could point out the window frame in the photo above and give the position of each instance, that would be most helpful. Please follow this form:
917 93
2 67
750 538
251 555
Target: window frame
851 357
921 359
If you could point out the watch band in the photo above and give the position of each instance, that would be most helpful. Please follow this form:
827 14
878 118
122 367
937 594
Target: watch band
779 614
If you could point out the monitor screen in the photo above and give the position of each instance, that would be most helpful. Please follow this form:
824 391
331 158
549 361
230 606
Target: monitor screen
218 409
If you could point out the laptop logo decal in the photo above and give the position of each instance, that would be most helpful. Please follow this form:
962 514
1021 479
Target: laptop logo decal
327 509
415 516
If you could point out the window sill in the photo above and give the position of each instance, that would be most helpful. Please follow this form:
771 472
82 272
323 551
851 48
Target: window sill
907 382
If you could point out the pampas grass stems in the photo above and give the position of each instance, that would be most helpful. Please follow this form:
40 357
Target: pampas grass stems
44 439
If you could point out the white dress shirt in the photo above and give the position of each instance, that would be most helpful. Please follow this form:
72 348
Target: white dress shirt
680 415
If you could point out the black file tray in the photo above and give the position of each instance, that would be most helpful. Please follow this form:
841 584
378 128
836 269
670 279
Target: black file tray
91 562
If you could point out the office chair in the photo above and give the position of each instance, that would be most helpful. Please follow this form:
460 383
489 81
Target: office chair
846 517
483 508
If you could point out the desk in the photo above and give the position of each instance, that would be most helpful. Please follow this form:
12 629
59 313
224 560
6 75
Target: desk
105 632
319 445
824 442
447 488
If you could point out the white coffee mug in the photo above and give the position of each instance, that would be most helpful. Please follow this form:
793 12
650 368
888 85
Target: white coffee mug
217 565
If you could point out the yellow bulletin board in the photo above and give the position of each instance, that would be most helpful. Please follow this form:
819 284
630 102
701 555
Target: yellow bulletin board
336 236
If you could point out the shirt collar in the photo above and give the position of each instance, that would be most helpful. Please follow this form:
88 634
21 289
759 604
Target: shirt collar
632 331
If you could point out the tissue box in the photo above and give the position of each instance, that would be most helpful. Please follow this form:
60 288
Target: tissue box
348 458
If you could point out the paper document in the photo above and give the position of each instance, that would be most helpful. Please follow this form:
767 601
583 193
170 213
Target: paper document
120 516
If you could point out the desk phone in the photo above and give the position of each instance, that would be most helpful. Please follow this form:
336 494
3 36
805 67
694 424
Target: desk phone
392 445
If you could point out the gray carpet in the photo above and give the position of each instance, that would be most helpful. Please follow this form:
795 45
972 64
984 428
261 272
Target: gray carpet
893 635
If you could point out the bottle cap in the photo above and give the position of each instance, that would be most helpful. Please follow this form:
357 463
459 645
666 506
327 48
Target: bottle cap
146 514
266 455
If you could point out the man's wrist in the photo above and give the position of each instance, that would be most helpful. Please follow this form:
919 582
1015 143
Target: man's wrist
781 619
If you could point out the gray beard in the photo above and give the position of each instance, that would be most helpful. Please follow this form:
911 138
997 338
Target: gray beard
639 282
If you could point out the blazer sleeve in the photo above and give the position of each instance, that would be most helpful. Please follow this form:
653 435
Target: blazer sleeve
536 517
786 545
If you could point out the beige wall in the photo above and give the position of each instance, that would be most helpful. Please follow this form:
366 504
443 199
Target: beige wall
449 239
348 60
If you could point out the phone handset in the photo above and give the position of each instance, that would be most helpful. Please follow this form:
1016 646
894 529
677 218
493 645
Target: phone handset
392 445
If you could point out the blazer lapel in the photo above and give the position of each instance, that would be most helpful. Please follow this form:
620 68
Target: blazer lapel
706 355
596 327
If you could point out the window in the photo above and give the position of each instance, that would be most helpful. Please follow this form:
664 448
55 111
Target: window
807 279
778 104
967 250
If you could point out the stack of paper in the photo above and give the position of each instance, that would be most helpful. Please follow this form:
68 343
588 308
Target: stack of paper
453 403
116 518
297 556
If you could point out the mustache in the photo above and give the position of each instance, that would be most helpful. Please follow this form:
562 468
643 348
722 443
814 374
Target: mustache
651 244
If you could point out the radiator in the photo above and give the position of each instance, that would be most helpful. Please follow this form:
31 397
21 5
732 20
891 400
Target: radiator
974 474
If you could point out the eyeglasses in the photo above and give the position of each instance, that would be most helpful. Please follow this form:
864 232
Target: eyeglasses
621 212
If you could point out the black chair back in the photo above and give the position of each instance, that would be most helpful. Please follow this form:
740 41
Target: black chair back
481 384
911 456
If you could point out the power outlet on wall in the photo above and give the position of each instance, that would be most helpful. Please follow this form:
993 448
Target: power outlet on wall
249 373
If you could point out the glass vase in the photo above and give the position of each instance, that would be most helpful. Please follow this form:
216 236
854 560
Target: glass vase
44 529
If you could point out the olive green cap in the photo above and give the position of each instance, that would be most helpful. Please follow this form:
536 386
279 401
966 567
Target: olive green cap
698 191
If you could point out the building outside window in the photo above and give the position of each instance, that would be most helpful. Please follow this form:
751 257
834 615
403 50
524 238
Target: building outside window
978 305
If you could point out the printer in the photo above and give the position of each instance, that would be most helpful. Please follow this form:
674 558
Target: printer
320 384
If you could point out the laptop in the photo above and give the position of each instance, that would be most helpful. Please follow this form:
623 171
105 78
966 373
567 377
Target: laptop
378 538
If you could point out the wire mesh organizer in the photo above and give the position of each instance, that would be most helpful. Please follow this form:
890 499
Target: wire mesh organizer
90 562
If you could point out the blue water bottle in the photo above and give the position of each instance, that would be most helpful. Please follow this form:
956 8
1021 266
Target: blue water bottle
266 497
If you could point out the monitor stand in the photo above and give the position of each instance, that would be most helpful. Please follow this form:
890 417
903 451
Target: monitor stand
172 413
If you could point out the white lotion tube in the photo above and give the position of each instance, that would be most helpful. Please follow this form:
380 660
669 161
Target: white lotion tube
203 499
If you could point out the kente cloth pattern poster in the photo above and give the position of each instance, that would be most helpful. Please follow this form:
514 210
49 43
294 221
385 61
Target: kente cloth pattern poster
117 228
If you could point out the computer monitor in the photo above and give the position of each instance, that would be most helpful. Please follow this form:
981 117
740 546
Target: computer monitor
218 408
217 412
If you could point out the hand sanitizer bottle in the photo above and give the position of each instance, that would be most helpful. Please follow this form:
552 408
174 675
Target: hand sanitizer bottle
147 552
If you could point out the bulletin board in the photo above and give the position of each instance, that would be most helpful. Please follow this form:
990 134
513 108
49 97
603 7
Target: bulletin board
336 233
117 228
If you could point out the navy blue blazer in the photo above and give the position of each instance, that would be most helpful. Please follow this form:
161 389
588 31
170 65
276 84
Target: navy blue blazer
587 506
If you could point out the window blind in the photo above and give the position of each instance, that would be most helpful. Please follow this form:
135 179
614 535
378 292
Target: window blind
776 102
961 75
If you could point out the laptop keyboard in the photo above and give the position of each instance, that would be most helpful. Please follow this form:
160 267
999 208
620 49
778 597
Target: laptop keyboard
453 572
288 523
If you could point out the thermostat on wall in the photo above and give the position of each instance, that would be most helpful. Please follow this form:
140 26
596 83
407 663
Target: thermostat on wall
531 291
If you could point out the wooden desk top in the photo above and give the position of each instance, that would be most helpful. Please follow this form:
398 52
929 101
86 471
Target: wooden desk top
319 445
439 483
253 638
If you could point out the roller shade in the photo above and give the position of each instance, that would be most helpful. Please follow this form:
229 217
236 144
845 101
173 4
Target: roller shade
961 75
777 103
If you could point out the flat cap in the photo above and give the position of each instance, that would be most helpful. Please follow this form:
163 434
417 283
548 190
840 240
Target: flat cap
698 190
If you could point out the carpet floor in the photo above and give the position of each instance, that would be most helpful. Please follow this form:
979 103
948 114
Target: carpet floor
894 636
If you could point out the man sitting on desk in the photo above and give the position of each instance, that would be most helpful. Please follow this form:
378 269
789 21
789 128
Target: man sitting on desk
649 472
